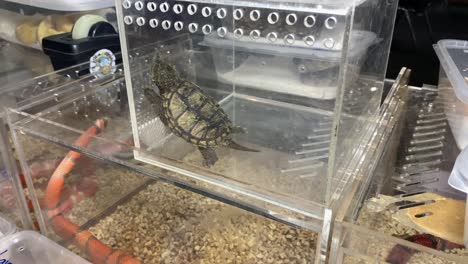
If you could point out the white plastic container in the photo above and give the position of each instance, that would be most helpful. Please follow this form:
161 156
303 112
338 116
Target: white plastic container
453 86
459 180
295 75
28 247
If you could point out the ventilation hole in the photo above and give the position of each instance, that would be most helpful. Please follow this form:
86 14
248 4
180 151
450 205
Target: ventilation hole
291 19
309 21
139 5
255 34
164 7
193 27
178 8
302 68
166 24
127 4
153 23
330 23
206 11
411 194
221 13
273 18
309 40
178 25
21 249
254 15
289 39
192 9
152 6
128 20
207 29
140 21
239 32
421 215
222 31
328 43
272 36
238 14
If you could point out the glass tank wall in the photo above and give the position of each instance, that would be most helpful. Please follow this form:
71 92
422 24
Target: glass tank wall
255 97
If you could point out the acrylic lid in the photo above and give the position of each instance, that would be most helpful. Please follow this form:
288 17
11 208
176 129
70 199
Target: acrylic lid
453 56
67 5
459 177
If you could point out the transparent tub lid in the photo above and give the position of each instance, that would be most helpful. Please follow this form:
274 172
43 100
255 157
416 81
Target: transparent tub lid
453 56
32 248
67 5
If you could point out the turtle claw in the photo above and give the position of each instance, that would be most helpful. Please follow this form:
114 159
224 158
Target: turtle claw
209 156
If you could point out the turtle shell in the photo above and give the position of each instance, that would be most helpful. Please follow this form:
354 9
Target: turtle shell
195 116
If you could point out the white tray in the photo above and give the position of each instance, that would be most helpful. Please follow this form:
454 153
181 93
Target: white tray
67 5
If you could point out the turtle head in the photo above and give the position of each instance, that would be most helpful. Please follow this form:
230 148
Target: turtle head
165 75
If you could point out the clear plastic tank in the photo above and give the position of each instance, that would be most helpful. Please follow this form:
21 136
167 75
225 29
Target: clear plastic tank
299 78
408 213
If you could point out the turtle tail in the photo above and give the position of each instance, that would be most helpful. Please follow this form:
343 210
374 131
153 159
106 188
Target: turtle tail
236 146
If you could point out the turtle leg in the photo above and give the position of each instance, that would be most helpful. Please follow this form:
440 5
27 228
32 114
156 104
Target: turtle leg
156 103
209 156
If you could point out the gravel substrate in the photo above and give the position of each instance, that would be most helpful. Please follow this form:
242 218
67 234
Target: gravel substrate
164 224
374 248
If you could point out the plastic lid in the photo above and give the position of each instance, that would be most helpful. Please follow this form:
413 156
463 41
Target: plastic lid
7 227
453 56
32 248
459 177
67 5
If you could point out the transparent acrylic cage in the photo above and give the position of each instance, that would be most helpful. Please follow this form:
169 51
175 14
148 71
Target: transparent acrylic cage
302 77
52 111
44 129
410 173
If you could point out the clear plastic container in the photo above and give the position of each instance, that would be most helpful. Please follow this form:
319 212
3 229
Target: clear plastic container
407 212
459 180
7 227
54 110
301 78
30 247
453 86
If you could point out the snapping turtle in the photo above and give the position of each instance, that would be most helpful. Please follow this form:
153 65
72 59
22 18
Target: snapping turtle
189 113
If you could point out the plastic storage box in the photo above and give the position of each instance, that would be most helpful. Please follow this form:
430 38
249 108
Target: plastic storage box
407 213
24 24
459 180
28 22
53 111
31 247
300 78
453 86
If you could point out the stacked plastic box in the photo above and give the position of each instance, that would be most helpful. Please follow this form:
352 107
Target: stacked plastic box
23 25
27 247
414 210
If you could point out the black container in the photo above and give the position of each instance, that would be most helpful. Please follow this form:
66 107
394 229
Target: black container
64 51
